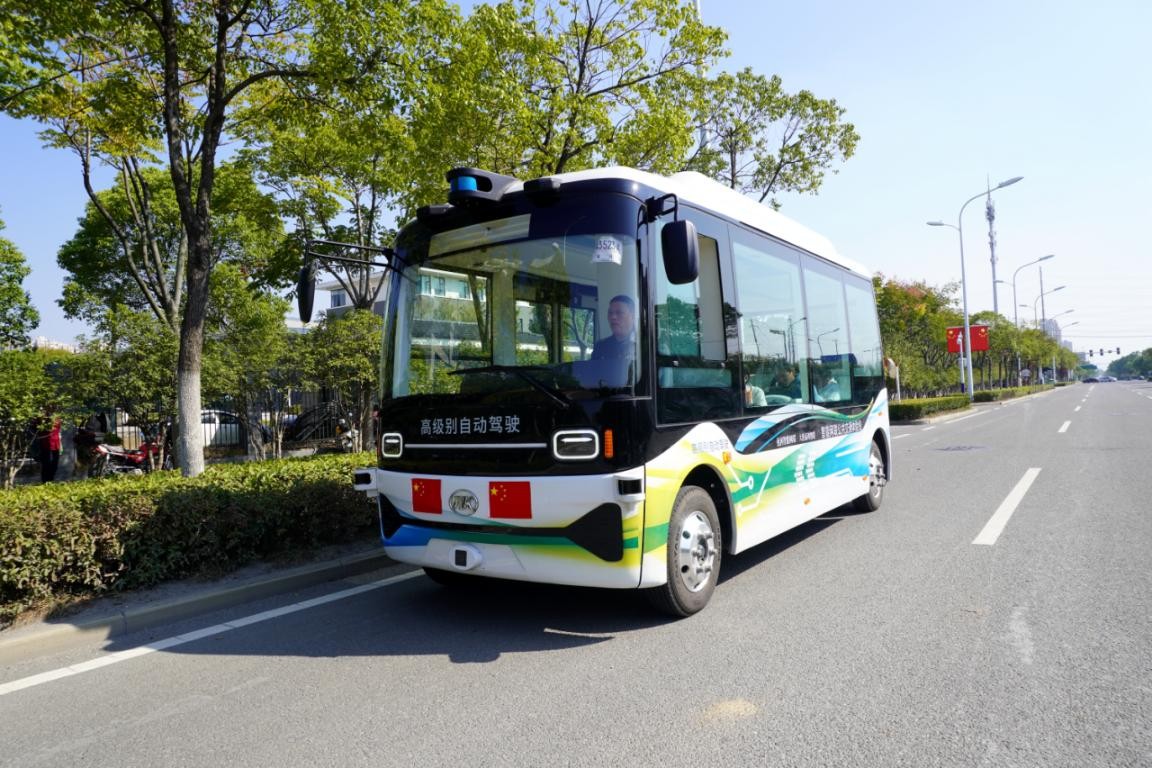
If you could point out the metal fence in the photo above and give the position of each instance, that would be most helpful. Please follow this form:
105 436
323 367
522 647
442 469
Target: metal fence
310 419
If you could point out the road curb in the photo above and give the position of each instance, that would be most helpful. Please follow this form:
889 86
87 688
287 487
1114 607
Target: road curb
51 637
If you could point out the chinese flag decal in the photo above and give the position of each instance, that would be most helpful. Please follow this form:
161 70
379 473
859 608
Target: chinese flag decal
426 496
510 500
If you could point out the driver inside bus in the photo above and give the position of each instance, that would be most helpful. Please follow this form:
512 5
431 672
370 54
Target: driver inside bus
621 345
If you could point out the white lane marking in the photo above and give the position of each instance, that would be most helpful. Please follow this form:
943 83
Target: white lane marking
1064 427
995 525
899 436
189 637
953 421
927 428
1076 410
1021 635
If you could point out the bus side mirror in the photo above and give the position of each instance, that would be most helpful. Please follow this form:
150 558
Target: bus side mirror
681 251
306 291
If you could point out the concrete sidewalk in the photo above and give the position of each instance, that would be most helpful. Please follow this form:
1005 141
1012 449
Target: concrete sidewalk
122 613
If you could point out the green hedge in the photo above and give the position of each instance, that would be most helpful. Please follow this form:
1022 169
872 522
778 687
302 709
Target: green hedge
918 408
78 539
993 395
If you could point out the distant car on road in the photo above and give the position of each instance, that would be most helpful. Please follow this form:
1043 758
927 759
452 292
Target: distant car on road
1091 380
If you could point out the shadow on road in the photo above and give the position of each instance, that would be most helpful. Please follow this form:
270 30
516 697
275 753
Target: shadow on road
471 624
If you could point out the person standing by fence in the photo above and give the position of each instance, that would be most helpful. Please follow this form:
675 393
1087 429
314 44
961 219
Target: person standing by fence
49 454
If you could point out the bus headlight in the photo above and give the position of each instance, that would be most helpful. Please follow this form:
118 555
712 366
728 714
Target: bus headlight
391 445
576 444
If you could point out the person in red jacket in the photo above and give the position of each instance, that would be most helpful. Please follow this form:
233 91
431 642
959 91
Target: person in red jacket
49 440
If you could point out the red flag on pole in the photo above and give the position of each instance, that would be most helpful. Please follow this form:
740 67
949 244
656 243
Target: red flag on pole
979 338
426 496
510 500
954 335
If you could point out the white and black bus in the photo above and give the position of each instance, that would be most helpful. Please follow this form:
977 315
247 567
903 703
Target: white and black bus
611 378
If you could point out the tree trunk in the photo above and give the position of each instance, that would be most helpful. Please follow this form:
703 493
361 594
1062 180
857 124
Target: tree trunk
190 437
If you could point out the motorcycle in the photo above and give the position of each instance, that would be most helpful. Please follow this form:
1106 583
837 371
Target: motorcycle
347 436
106 460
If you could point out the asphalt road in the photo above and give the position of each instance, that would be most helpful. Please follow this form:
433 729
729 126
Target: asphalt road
997 611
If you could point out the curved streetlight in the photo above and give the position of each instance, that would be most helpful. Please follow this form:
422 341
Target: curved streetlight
1022 266
1036 317
819 335
966 341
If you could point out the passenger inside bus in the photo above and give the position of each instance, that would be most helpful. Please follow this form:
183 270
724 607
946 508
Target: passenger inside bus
825 388
786 383
753 395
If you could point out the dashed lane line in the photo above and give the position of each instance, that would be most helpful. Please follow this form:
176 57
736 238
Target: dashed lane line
995 525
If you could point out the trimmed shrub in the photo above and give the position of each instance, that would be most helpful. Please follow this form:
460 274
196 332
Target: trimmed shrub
918 408
66 540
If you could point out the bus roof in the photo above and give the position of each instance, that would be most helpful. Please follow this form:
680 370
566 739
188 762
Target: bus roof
698 189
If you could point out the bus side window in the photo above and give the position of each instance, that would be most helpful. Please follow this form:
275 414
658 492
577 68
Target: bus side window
829 353
864 331
694 382
772 324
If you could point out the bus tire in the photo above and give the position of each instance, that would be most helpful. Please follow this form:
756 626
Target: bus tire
877 478
693 555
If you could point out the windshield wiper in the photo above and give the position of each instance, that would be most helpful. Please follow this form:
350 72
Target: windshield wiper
519 371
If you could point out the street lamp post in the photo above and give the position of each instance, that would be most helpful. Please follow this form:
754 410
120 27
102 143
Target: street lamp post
1022 266
966 342
818 337
1036 317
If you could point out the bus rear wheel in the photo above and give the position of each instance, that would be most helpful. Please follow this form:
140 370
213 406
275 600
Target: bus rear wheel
693 555
877 478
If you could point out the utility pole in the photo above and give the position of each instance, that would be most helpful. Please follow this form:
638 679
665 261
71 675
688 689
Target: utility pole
990 214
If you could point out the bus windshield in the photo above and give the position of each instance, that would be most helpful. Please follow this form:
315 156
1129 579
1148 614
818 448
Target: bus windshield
488 309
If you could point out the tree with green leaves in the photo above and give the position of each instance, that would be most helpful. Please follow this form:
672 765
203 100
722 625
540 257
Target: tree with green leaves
247 346
127 366
764 141
343 356
27 400
542 88
119 256
168 80
914 318
18 318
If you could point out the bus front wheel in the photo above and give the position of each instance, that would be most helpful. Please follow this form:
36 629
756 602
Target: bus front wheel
877 478
693 554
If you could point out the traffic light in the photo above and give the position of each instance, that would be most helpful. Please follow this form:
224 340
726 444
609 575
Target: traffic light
1117 350
1101 352
1091 353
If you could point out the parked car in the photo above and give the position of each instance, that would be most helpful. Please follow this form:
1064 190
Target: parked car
223 428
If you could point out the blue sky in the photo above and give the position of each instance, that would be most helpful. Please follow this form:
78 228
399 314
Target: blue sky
946 97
